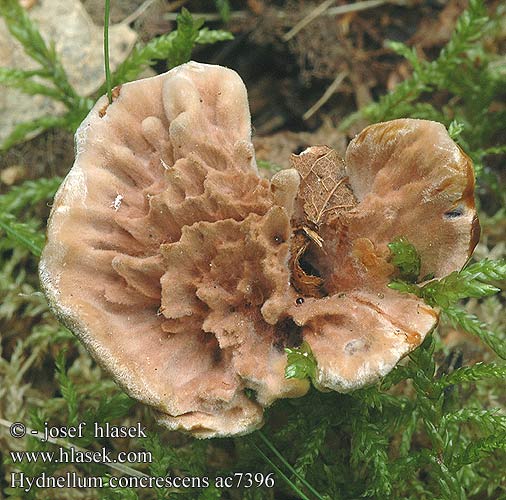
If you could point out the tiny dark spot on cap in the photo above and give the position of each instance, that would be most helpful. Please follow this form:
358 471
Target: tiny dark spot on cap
454 213
356 345
299 301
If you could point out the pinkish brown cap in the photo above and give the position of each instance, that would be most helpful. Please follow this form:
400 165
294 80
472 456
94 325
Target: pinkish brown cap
173 260
153 256
409 179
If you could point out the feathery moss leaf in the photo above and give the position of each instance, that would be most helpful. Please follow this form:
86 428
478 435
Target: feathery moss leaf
25 130
300 362
472 281
311 447
476 280
27 234
22 80
479 371
207 36
405 258
21 27
480 449
438 74
175 47
29 193
489 420
455 128
223 7
472 324
25 31
186 35
370 449
67 388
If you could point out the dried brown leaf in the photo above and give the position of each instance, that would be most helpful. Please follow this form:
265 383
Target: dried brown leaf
323 195
324 192
303 280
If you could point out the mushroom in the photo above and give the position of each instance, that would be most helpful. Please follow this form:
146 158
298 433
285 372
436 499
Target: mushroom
186 274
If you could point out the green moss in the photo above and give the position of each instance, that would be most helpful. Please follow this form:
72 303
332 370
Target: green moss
429 429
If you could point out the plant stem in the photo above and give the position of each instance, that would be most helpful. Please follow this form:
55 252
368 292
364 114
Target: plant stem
287 465
280 473
106 50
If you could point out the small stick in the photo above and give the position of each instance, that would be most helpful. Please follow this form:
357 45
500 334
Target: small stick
106 50
138 12
146 5
326 95
210 16
342 9
306 20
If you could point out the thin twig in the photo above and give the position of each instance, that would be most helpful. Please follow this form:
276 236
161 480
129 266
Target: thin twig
326 95
358 6
147 4
177 4
245 14
318 11
325 6
138 12
210 16
106 50
281 474
287 465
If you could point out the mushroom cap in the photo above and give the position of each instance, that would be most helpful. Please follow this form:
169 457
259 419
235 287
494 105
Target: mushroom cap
171 258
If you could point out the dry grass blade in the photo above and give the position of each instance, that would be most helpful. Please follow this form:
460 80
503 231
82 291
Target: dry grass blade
326 95
342 9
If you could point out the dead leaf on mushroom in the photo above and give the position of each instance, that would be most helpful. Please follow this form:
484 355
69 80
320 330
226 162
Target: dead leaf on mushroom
323 194
304 279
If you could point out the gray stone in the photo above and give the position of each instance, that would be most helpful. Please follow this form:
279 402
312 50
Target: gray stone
79 44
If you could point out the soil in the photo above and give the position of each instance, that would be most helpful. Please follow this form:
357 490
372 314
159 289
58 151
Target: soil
285 78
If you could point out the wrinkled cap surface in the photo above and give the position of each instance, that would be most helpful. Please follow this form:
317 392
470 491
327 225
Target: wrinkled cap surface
186 274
